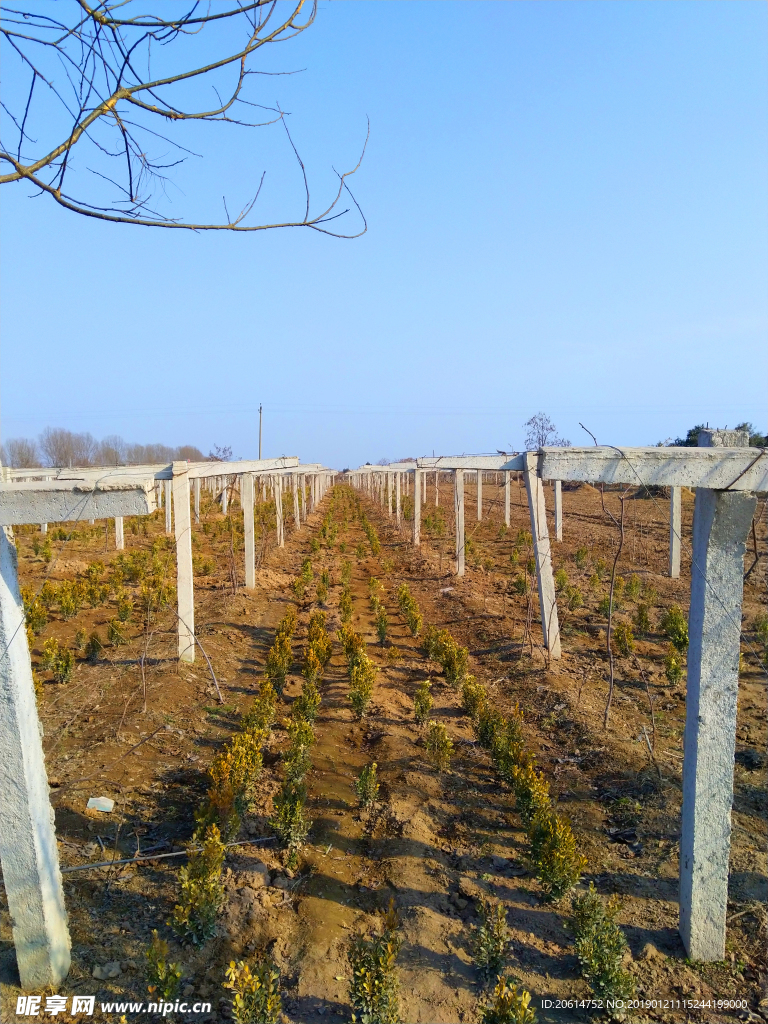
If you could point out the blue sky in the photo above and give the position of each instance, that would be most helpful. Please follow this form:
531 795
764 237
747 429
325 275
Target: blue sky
567 212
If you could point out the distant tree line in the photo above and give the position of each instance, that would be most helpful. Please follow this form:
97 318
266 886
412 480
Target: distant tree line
691 439
57 448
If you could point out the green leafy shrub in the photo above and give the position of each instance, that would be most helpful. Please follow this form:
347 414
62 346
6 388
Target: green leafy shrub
289 820
507 1005
675 625
439 746
559 865
422 701
202 891
94 647
561 579
634 587
278 663
601 946
307 703
642 619
64 666
673 665
367 785
262 713
473 697
382 623
520 585
491 937
115 633
124 609
321 593
256 991
409 609
581 556
624 639
373 990
35 612
163 976
361 680
81 639
345 606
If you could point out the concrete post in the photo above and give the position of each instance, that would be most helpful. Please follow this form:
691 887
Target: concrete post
28 851
458 504
479 495
675 530
389 495
185 587
303 496
159 493
417 474
196 491
424 487
168 506
558 509
296 510
398 502
550 625
721 523
225 496
507 495
279 511
43 527
119 534
249 534
437 488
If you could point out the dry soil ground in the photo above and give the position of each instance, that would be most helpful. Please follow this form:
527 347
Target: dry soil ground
435 841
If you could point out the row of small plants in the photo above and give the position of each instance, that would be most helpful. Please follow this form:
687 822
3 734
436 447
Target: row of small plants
361 670
553 852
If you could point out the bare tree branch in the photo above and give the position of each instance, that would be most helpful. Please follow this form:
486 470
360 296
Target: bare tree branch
98 48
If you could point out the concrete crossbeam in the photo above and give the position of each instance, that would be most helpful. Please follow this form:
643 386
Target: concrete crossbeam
61 502
733 469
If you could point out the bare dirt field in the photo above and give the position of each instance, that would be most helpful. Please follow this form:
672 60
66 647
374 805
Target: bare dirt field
133 725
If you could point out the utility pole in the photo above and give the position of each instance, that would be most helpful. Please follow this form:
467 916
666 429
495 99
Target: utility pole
259 429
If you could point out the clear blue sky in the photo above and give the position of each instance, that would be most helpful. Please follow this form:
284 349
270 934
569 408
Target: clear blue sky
567 212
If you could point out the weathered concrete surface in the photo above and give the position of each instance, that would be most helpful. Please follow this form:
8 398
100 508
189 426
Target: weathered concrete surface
168 488
458 506
541 548
719 468
119 534
675 530
249 536
62 501
558 510
185 592
721 523
28 849
416 507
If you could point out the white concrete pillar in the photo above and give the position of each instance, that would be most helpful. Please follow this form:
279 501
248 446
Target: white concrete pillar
303 496
43 527
479 495
119 534
398 498
276 489
28 850
558 509
423 487
196 491
675 530
263 489
437 488
159 491
296 509
417 474
167 485
458 506
721 523
507 495
389 494
185 584
224 484
91 522
550 625
249 534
